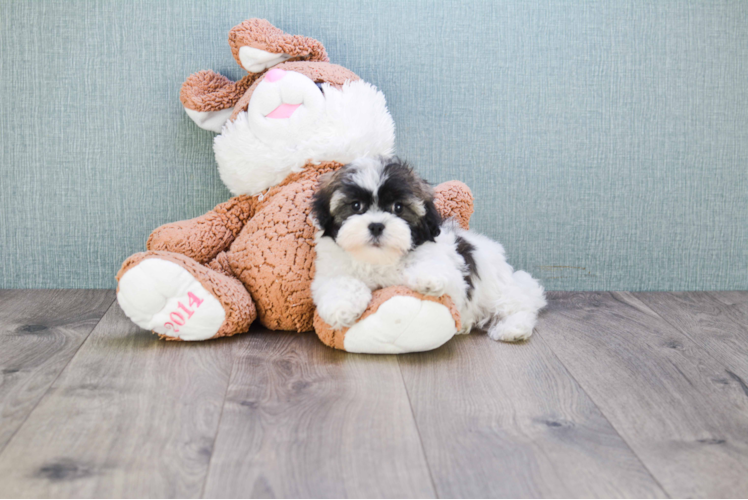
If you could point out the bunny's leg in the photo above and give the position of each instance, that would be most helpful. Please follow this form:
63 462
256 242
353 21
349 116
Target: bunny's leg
180 299
398 320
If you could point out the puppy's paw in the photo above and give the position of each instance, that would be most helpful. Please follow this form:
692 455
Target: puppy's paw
340 315
507 335
427 284
514 328
343 312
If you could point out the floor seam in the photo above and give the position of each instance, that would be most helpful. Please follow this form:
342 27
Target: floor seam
696 342
218 425
602 413
88 335
418 430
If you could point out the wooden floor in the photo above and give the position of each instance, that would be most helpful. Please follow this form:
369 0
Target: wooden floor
616 395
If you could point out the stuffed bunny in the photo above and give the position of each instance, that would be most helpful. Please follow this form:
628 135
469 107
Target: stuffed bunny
293 118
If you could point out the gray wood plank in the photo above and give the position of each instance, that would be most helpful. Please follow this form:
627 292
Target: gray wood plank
40 331
737 305
738 298
130 416
303 420
708 322
507 420
669 399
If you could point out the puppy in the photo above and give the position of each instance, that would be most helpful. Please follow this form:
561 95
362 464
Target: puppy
379 227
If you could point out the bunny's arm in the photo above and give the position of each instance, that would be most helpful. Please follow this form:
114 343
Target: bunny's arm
204 237
453 199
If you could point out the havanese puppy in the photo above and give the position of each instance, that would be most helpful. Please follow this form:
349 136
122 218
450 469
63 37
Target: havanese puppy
379 227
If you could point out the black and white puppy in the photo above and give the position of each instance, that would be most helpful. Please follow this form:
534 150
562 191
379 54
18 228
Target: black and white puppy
379 227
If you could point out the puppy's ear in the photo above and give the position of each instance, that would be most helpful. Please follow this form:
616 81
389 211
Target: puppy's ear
428 227
321 215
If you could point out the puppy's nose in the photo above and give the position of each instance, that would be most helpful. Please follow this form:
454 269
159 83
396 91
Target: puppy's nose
376 228
275 74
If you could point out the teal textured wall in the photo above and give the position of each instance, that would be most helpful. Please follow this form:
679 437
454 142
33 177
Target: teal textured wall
606 142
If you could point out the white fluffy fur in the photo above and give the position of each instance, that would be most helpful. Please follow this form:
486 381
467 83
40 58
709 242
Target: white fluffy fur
254 152
350 266
367 173
354 238
504 301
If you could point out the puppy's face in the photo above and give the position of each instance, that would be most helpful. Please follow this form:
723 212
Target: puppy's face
376 209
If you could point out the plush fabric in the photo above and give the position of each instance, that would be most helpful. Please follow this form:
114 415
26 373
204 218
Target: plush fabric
329 73
259 33
255 252
454 200
202 238
239 307
209 91
336 338
245 237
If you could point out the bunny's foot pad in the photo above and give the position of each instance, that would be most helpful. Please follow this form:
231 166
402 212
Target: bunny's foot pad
179 299
397 321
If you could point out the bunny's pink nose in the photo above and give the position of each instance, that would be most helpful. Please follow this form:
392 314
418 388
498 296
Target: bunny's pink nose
274 75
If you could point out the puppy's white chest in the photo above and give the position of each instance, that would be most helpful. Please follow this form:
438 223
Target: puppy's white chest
375 276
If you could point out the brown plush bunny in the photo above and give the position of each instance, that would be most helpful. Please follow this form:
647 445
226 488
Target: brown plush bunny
293 118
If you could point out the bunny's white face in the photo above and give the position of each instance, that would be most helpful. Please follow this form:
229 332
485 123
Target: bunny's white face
290 121
285 104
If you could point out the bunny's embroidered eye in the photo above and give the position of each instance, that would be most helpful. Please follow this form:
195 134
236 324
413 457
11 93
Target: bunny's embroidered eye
319 86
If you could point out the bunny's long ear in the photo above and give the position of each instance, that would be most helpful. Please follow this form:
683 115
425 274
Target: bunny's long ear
209 98
258 45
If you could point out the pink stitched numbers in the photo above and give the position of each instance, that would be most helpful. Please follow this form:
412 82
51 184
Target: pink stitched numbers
177 318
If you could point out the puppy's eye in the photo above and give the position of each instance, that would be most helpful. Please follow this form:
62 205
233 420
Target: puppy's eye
319 86
356 206
398 208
